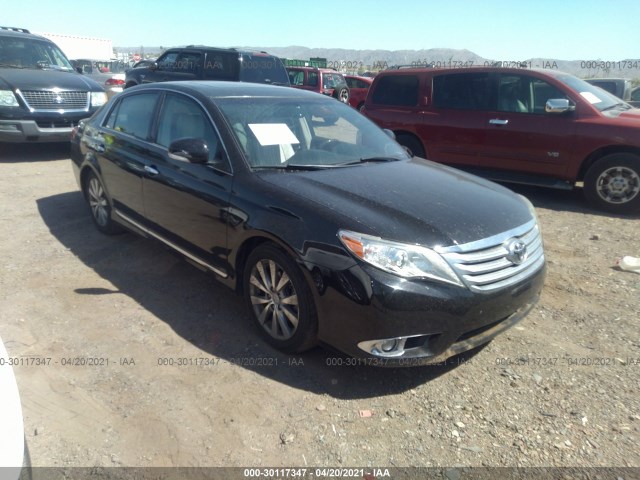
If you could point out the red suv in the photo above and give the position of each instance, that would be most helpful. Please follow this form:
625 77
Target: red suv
321 80
542 127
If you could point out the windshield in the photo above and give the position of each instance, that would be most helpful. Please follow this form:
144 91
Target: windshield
596 96
261 68
305 132
18 52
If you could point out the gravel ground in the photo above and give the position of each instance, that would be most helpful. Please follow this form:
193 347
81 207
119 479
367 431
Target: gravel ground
106 317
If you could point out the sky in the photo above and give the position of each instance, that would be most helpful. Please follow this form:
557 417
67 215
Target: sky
497 29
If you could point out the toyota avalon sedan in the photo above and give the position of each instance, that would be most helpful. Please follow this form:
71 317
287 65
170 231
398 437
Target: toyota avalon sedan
329 229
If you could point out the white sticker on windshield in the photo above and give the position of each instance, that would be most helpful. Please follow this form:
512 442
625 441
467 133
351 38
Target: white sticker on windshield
590 97
273 133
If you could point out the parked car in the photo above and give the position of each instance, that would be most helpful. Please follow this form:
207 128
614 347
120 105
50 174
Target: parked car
332 232
620 87
41 96
196 62
542 127
109 74
320 80
14 456
358 88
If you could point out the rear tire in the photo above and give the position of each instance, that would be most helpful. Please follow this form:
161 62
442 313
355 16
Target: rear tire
280 300
612 183
100 206
412 143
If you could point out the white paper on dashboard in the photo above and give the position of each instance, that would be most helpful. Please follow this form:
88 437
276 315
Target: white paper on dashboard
273 133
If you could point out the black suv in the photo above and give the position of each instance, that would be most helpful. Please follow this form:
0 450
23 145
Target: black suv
196 62
41 96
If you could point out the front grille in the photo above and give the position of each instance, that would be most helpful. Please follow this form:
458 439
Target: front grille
49 100
58 123
485 266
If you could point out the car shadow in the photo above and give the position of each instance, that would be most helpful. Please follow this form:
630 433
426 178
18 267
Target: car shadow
560 200
203 311
33 152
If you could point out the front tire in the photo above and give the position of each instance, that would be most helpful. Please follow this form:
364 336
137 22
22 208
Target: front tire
342 94
279 300
99 206
612 183
412 143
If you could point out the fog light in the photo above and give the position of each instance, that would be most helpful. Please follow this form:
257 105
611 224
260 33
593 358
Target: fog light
389 345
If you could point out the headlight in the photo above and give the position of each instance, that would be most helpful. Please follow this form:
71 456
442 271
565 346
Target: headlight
404 260
98 99
8 99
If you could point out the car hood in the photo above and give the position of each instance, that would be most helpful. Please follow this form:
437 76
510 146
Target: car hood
634 114
30 79
12 431
414 201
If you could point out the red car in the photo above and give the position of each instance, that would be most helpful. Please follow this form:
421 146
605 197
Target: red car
358 88
541 127
320 80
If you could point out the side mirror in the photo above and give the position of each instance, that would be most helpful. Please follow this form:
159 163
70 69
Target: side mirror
153 66
558 105
389 133
192 150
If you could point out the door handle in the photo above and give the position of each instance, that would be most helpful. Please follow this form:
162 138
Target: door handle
151 170
498 121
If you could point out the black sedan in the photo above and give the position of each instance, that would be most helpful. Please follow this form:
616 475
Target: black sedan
326 226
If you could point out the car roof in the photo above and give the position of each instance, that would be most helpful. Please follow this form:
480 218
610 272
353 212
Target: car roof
218 49
436 70
220 89
21 33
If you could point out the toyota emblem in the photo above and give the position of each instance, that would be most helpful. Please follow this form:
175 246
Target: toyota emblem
516 251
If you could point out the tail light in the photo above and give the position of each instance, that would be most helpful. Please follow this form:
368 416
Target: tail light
114 81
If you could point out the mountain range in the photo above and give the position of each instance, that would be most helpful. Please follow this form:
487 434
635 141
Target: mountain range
362 60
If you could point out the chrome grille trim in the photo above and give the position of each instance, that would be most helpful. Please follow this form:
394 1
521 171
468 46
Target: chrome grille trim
483 265
47 100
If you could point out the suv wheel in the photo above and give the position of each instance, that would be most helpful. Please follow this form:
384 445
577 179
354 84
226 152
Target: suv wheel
613 183
342 94
412 143
280 300
99 206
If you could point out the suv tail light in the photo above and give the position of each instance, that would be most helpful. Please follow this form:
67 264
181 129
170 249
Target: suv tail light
114 81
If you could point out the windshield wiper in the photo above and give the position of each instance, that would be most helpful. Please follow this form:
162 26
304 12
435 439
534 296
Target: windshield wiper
294 166
9 65
619 104
370 160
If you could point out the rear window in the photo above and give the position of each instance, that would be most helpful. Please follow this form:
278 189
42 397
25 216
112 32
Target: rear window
263 69
396 90
464 91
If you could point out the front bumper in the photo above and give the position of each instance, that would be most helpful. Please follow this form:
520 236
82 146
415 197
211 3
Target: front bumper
361 306
27 131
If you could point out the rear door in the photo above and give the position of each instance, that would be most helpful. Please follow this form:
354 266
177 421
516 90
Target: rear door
453 128
520 135
123 150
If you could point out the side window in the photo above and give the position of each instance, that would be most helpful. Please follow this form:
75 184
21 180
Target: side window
361 84
635 95
296 77
514 94
168 61
464 91
221 66
181 117
542 91
351 82
133 115
312 79
188 62
397 90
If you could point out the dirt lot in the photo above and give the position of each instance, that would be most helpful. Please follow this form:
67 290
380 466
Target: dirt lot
97 322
